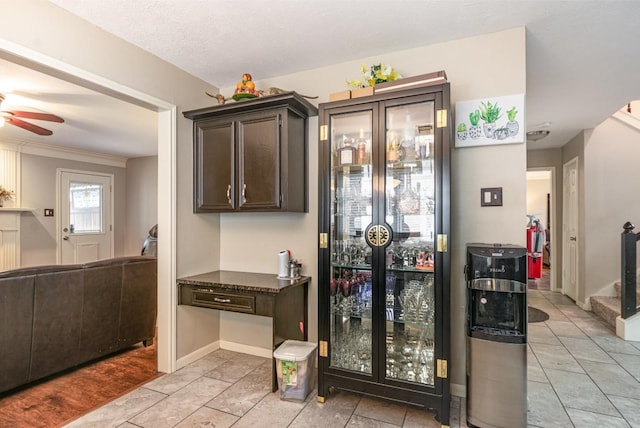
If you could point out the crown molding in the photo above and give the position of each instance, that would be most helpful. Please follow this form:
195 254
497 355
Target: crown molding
628 119
51 151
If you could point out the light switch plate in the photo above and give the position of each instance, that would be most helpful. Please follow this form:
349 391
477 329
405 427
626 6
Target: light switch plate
48 212
491 197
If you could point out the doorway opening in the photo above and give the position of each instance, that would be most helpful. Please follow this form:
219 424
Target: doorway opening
166 207
541 207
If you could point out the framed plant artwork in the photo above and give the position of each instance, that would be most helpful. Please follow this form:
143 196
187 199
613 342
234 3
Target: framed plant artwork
490 121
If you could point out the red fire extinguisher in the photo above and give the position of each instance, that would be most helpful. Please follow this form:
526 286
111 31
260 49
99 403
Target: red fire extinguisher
535 243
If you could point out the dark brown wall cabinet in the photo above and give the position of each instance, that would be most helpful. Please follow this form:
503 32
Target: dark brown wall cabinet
252 155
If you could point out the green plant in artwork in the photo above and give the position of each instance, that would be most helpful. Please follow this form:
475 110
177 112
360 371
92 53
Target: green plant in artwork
474 117
512 126
462 131
489 113
474 130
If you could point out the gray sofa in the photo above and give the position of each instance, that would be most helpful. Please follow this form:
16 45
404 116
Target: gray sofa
57 317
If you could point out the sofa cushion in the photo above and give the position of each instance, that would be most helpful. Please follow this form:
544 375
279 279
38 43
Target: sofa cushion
101 310
57 322
139 300
16 319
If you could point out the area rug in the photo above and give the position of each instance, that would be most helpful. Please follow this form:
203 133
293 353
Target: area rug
536 315
63 398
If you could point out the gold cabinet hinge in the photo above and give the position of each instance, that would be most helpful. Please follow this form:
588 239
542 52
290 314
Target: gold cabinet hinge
324 132
324 240
441 369
442 243
441 119
324 348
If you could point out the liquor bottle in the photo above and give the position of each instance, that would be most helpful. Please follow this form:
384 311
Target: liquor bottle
347 152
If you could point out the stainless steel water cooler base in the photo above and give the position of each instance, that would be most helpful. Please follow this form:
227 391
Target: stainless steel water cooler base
496 384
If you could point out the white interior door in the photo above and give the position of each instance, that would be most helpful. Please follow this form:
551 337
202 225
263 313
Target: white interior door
570 229
85 231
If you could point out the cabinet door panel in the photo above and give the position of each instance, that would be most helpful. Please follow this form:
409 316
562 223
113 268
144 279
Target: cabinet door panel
214 158
259 161
410 197
351 212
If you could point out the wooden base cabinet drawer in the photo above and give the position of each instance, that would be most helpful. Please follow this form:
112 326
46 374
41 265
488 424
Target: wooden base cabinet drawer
216 300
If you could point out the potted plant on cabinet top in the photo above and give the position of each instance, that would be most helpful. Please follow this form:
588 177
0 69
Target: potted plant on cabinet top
371 75
5 195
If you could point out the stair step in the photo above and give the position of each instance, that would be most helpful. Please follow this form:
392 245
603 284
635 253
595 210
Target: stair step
617 287
607 308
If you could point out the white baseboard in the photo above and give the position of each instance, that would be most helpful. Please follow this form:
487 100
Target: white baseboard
585 306
223 344
628 329
246 349
197 354
459 390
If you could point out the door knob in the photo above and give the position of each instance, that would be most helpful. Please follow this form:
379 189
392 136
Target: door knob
66 238
572 238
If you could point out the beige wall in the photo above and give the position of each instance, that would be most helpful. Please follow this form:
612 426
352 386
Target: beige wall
552 159
142 202
38 189
611 152
473 74
537 191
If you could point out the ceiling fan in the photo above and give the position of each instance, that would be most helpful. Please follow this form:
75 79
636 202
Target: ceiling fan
14 117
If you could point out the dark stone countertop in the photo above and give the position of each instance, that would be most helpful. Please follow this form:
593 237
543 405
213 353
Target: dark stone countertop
243 281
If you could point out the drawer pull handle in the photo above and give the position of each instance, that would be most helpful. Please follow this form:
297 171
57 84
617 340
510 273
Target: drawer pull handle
219 300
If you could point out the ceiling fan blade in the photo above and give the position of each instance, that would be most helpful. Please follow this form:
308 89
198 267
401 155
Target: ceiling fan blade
37 116
28 126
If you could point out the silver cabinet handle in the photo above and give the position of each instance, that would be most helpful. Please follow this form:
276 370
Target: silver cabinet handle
229 194
219 300
244 193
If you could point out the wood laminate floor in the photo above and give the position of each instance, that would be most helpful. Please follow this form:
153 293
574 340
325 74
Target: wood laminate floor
60 399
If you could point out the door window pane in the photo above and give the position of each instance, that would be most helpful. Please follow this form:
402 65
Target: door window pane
85 207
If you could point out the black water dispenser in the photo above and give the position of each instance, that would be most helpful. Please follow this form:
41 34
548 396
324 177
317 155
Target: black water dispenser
496 335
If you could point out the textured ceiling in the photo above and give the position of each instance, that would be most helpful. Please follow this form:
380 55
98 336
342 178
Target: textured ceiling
583 57
92 121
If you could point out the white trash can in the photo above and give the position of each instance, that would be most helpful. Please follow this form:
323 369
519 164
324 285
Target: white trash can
296 369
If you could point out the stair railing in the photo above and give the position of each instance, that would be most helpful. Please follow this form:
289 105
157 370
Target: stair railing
629 280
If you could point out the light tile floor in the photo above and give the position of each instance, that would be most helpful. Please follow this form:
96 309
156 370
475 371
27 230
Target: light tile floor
579 375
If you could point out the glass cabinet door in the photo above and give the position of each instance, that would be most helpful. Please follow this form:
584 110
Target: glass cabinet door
350 213
409 259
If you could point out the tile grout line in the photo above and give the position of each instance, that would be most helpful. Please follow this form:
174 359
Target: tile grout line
586 372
